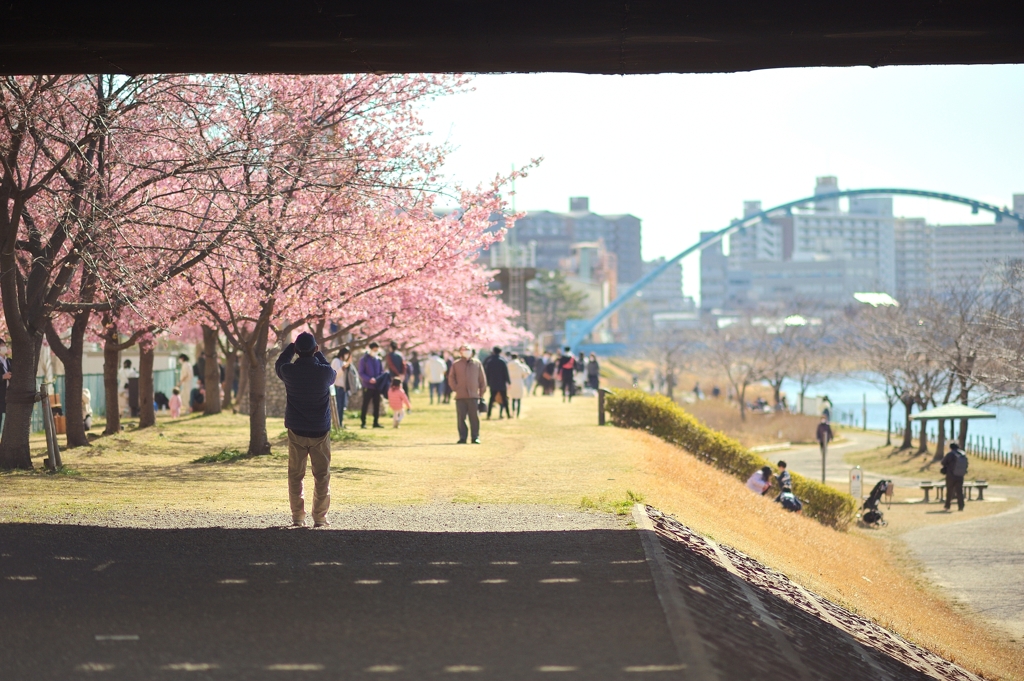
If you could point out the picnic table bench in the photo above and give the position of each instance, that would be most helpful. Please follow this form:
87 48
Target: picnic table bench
940 489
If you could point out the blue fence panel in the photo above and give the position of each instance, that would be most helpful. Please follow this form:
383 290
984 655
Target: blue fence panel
164 381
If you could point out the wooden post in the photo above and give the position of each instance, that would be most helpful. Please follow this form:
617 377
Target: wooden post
600 406
52 446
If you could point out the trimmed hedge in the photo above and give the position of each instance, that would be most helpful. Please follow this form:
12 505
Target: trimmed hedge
660 416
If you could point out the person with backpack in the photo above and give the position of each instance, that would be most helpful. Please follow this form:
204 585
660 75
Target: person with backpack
566 368
954 465
496 372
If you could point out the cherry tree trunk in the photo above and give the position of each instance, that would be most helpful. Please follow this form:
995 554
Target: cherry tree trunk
259 443
71 356
21 397
922 441
940 441
111 353
230 371
211 377
147 414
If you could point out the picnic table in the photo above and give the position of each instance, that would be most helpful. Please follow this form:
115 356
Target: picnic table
940 489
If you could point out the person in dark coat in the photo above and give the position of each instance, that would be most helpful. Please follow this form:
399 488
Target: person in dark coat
954 465
824 436
566 368
497 380
370 371
307 417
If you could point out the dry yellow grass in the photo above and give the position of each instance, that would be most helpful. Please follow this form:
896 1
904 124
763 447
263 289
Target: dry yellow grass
554 455
909 463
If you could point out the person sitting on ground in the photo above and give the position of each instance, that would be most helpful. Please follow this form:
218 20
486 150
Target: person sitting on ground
789 500
783 477
760 481
307 416
197 400
399 401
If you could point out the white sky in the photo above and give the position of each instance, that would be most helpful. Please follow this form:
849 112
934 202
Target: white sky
683 152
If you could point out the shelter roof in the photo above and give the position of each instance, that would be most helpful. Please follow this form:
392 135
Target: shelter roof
953 411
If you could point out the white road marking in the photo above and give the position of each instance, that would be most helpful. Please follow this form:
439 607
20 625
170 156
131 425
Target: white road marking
699 589
445 562
117 637
556 668
504 562
330 562
94 667
232 581
284 581
103 566
22 578
67 558
262 563
565 562
559 580
656 668
367 581
384 668
493 581
394 562
454 669
628 562
190 667
431 581
294 667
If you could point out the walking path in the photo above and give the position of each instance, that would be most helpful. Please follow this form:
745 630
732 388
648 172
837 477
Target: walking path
977 560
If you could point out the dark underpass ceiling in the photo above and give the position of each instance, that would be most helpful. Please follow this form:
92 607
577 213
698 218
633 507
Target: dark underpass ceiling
590 36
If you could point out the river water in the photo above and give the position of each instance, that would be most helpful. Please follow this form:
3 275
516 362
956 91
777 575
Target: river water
848 394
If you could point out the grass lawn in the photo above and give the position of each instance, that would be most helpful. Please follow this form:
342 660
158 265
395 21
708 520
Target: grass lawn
908 463
555 455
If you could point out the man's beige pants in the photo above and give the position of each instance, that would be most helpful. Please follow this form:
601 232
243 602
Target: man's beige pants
318 451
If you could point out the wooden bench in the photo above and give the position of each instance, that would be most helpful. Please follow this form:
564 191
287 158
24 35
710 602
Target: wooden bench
940 489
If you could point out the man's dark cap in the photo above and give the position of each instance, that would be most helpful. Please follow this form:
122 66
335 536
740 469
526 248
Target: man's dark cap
954 445
305 342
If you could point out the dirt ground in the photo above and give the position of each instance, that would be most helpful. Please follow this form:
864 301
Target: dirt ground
555 455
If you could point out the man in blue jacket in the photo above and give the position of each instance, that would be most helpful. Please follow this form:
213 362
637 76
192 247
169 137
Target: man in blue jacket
371 373
307 416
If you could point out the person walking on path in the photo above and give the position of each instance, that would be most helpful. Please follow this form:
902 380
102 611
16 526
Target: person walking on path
497 380
824 436
345 382
399 402
396 366
593 373
371 373
448 361
518 372
539 365
307 416
185 375
566 367
954 465
416 371
5 377
434 372
468 382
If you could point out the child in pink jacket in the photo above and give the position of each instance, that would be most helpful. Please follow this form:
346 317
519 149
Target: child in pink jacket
174 404
399 401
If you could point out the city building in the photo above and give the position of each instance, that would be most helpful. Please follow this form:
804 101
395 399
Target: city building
553 235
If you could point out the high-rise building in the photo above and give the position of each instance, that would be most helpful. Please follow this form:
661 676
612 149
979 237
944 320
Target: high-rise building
825 254
554 233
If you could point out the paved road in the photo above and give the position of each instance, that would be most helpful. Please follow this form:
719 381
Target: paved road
978 561
240 603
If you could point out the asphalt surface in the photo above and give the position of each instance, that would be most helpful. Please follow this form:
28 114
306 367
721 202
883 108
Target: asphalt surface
403 593
978 562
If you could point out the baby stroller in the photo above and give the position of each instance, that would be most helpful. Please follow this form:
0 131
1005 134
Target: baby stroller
870 515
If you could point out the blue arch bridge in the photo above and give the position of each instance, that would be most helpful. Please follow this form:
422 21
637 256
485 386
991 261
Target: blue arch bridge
577 330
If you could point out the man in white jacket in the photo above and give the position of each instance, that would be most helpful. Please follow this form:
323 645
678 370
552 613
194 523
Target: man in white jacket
434 371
